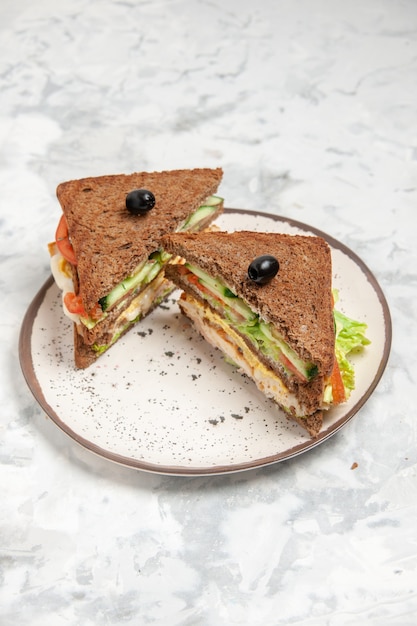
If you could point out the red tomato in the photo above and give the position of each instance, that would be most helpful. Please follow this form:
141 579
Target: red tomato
287 363
63 242
338 388
74 304
194 280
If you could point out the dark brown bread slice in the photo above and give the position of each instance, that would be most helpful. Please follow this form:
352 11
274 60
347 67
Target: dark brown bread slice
108 241
84 355
312 423
298 301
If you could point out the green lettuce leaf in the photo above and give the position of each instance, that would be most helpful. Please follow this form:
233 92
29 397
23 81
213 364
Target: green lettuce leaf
350 338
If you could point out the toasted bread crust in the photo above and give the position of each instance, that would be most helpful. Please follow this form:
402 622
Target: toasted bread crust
312 423
108 241
298 301
84 355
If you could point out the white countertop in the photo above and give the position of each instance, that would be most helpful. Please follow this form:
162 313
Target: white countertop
310 108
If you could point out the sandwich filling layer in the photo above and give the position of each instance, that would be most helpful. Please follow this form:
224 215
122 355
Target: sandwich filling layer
132 298
259 334
229 324
152 295
221 335
281 330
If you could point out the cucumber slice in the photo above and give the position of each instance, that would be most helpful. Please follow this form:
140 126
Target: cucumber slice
153 271
210 206
223 292
307 370
213 201
129 283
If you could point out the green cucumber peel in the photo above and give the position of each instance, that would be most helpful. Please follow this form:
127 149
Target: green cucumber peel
223 292
144 274
210 206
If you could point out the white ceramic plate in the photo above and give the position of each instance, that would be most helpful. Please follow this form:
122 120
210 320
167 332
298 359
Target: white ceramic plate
163 400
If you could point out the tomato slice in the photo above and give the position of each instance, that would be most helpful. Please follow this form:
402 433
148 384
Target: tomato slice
63 243
291 367
194 280
61 229
74 304
336 381
67 251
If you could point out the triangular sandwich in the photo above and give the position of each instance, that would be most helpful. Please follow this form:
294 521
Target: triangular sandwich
265 300
107 256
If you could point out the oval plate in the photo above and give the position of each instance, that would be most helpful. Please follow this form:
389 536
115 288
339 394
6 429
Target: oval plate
163 400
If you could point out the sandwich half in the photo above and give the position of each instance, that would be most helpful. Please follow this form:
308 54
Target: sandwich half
107 256
279 328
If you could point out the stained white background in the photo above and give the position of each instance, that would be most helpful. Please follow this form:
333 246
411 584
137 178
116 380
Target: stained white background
309 107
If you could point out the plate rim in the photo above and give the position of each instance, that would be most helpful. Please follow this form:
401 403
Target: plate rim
28 370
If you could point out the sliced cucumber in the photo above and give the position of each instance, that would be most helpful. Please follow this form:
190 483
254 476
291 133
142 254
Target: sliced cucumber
129 283
210 206
213 201
153 271
307 370
241 308
223 292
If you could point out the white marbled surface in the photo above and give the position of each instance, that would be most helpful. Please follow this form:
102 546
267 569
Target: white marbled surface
310 108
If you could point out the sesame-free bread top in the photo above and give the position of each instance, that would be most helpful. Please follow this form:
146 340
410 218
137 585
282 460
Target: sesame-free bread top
108 241
298 300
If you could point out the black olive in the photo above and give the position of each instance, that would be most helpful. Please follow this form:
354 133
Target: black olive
140 201
263 269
